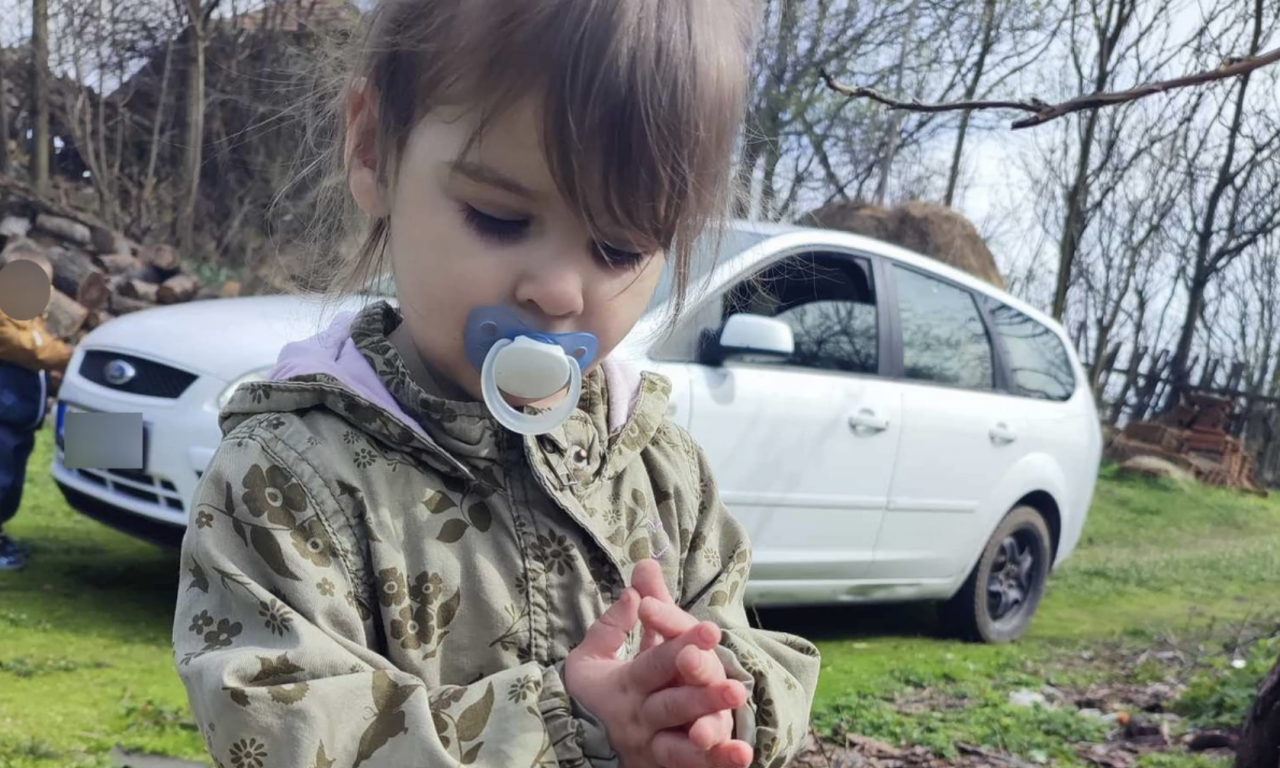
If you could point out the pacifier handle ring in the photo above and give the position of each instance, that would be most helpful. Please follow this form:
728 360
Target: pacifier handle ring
518 421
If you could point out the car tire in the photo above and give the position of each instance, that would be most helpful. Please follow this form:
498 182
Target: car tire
1003 591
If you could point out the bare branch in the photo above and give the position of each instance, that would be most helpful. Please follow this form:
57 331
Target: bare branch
1043 112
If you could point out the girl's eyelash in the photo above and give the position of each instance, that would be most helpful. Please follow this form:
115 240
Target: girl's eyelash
617 258
511 230
494 227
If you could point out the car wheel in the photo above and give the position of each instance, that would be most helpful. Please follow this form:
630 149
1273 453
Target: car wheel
997 601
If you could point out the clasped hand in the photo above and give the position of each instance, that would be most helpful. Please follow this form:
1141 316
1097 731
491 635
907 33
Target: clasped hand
672 705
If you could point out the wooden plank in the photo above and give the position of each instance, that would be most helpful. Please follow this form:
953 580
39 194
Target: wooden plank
1210 373
1234 377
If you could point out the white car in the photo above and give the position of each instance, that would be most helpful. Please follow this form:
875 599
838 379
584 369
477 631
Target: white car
887 428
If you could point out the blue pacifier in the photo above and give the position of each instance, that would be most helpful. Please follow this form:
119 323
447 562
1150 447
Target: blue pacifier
520 360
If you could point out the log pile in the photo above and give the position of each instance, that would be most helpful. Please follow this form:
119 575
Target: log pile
98 273
1193 436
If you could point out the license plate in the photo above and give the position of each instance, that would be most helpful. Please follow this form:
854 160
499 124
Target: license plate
61 426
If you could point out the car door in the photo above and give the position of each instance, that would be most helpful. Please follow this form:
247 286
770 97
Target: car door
803 449
960 434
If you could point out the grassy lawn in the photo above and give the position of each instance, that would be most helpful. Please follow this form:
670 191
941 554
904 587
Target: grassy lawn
85 662
1191 572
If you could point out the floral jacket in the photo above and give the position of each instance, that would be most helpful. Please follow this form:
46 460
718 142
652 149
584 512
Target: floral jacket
375 576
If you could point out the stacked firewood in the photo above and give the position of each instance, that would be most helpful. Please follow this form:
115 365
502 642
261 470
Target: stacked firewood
98 273
1194 436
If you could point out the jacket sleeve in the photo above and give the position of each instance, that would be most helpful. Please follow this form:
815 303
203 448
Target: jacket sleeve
52 353
31 345
779 670
277 648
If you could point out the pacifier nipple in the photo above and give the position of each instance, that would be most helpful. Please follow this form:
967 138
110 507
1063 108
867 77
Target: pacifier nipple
531 369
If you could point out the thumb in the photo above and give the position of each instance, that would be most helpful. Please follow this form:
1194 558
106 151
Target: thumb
647 580
609 632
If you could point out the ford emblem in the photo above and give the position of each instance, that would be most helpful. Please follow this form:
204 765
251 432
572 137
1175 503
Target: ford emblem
118 372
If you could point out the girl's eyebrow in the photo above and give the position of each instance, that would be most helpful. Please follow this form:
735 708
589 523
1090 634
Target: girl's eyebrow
490 176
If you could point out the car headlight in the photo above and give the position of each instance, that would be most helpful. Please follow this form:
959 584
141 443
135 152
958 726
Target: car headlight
258 375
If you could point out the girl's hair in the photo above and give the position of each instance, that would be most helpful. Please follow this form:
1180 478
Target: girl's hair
642 101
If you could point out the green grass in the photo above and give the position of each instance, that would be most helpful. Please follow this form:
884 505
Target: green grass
85 654
86 665
1157 562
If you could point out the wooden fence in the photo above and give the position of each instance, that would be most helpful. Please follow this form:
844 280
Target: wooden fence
1135 383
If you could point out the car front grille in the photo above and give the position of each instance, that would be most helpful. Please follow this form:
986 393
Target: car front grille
136 485
149 377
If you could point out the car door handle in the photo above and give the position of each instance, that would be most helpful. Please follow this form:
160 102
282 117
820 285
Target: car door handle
1001 434
868 420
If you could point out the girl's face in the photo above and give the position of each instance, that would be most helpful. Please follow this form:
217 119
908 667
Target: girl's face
493 229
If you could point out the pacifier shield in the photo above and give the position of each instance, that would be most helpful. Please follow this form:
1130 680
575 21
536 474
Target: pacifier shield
487 326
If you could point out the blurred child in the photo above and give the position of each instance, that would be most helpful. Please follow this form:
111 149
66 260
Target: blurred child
28 352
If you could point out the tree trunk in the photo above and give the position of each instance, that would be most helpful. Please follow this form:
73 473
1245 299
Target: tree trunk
1108 29
193 149
1179 369
123 264
1259 745
4 114
67 230
988 32
1207 260
163 259
140 290
895 118
94 294
65 315
122 305
177 289
70 269
1074 225
40 89
149 181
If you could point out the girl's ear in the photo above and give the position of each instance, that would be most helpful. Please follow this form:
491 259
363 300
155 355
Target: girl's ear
360 153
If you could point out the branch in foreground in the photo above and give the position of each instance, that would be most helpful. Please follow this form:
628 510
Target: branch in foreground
1042 111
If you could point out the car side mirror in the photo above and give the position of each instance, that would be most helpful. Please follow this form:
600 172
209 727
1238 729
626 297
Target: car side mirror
749 338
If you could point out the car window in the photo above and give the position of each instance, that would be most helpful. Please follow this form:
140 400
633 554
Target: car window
714 249
1036 356
943 337
829 303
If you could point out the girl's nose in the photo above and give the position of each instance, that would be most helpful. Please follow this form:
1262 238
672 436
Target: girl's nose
552 288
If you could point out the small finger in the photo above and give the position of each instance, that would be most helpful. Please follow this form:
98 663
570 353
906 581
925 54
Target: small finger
650 638
699 667
656 668
680 705
667 618
673 749
731 754
647 579
710 730
610 631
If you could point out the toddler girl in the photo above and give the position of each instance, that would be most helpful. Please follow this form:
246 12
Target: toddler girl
453 531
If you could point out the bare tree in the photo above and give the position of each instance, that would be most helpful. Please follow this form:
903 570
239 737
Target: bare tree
196 14
40 90
1131 237
805 145
4 111
971 90
1233 172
